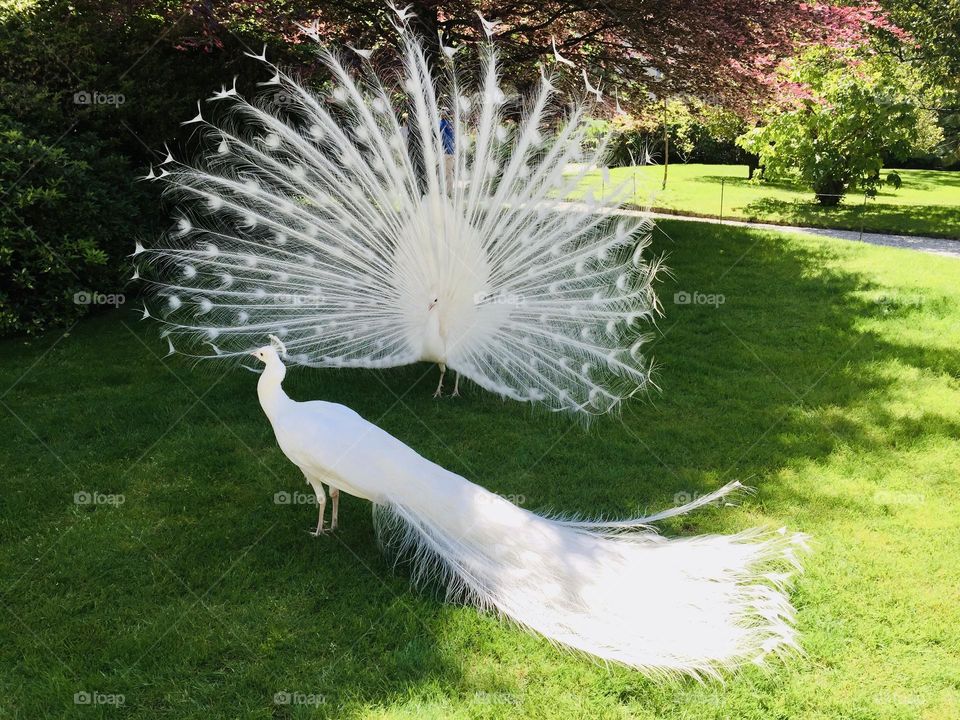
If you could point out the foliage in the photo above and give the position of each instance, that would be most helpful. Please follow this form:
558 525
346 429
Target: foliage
934 53
96 83
65 220
697 132
139 64
837 120
157 57
933 27
632 44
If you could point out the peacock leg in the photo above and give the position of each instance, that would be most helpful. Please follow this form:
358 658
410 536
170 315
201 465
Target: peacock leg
439 392
456 386
322 505
335 509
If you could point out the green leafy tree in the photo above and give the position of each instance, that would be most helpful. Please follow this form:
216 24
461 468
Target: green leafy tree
933 27
836 121
67 210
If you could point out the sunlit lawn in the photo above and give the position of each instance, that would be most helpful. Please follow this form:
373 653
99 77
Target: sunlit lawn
928 203
829 379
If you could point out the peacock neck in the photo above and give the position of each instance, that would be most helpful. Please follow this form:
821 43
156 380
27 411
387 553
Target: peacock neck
434 346
270 389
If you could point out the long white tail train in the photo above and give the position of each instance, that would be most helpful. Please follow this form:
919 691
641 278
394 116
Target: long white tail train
616 590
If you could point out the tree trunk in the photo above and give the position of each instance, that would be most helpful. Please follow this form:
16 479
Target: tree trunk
666 146
428 23
829 191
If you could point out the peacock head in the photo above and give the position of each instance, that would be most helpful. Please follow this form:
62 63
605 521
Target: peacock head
271 353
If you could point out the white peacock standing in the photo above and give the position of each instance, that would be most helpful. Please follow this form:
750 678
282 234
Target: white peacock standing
614 589
362 241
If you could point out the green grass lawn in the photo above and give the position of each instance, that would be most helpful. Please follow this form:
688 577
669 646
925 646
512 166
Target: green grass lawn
928 203
829 379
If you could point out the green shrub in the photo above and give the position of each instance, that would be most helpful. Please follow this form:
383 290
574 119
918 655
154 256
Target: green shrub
842 121
68 217
698 133
96 88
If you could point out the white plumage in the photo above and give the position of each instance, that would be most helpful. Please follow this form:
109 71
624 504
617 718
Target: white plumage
613 589
354 227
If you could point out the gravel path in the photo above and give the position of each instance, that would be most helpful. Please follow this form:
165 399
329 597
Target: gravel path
935 246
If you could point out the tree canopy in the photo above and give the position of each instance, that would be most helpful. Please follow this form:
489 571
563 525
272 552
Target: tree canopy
723 51
839 120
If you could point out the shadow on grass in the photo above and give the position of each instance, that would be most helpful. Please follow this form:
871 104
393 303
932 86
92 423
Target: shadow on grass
201 580
929 180
885 216
744 182
852 214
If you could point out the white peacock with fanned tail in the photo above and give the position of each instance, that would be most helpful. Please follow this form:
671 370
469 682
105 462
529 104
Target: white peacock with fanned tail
405 216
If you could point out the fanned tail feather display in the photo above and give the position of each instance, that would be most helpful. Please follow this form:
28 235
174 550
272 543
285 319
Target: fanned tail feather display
364 239
616 590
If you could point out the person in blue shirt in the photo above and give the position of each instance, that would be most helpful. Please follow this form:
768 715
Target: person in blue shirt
447 138
446 134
